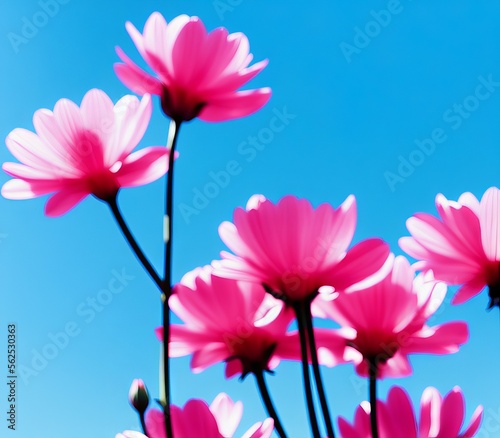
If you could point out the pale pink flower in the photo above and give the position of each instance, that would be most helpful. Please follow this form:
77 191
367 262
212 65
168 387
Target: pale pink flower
438 418
463 247
197 73
229 321
294 249
130 434
389 319
78 151
197 419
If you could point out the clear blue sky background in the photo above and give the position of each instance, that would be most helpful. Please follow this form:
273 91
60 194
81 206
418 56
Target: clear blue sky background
356 114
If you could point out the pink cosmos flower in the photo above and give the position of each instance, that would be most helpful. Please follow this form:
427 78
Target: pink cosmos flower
198 73
197 419
78 151
463 248
438 418
294 249
390 322
231 321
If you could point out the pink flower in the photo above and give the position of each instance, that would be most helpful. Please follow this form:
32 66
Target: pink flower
130 434
197 419
198 73
463 247
229 321
294 249
438 418
390 322
78 151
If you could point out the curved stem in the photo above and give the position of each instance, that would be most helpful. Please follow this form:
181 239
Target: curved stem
317 372
301 321
167 282
372 366
268 403
113 205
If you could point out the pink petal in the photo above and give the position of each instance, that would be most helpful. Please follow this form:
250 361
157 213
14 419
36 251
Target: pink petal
475 422
68 117
240 59
396 366
232 82
441 339
137 37
227 414
160 38
196 421
468 290
155 422
235 105
143 167
64 200
21 189
463 222
185 340
490 223
360 262
209 355
452 413
186 53
469 200
331 346
135 78
132 120
97 113
400 411
234 367
260 430
31 150
430 411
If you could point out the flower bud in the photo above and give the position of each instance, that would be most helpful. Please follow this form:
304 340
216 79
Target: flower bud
138 396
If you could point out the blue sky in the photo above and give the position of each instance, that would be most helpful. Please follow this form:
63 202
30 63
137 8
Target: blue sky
360 95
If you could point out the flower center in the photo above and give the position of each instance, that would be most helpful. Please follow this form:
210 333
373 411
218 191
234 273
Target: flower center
253 347
375 345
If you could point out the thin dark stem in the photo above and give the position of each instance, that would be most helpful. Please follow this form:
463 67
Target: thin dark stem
167 282
143 424
317 372
372 367
268 403
301 321
113 205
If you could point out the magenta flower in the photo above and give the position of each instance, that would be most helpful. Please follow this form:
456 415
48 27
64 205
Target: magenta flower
463 248
294 249
229 321
78 151
438 418
197 419
198 73
390 322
